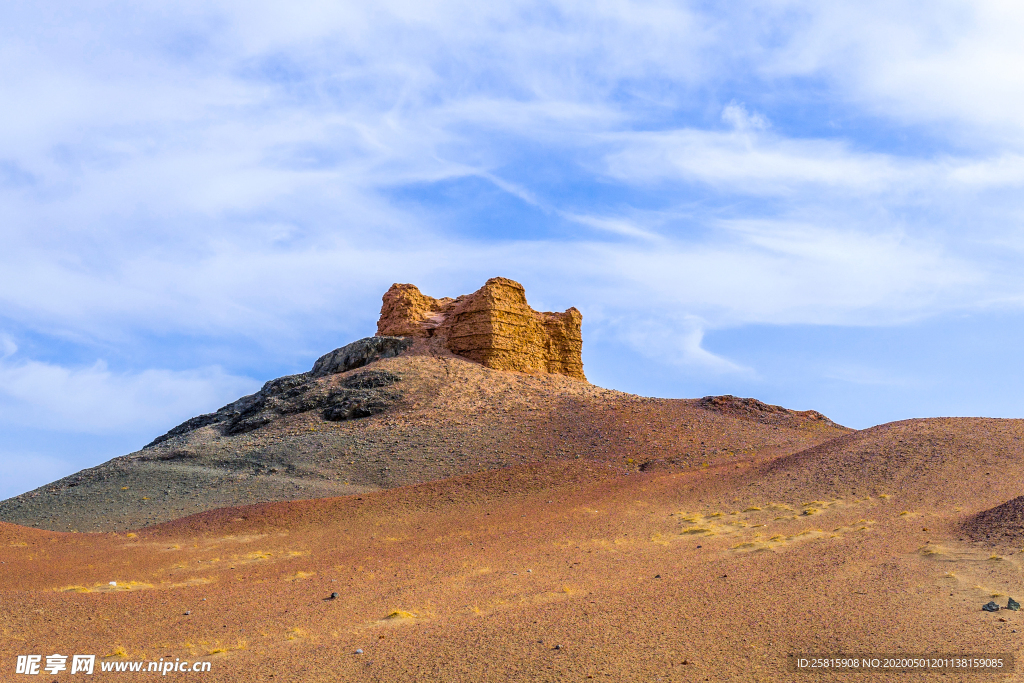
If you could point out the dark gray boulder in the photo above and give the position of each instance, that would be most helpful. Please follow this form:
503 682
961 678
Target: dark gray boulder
359 353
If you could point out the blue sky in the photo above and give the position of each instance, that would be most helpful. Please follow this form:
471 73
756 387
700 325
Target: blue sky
816 204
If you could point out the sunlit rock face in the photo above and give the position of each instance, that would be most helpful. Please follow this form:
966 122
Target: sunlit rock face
493 326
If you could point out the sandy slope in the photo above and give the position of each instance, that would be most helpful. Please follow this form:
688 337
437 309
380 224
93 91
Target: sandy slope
455 417
558 570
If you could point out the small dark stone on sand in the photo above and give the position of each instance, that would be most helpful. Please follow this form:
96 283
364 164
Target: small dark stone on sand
990 607
1012 604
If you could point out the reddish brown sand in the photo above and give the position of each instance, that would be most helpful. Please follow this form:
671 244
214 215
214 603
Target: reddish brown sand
566 570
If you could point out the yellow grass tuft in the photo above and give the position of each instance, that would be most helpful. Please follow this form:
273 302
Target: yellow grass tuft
400 614
116 652
239 645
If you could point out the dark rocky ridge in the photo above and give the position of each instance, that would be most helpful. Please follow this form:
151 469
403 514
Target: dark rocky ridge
759 411
363 395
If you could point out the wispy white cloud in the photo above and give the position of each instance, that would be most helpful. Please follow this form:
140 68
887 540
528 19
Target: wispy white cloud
749 160
677 340
617 225
867 376
7 346
945 63
94 400
227 170
784 272
739 118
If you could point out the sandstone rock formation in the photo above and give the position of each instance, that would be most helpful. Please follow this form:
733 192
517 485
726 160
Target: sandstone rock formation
493 326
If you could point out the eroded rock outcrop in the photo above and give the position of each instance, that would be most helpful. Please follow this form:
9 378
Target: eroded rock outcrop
361 395
493 326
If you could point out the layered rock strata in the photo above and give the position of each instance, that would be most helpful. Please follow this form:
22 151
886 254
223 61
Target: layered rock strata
493 326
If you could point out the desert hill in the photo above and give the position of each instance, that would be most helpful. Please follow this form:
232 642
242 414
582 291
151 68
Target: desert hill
451 501
1001 526
556 570
937 462
481 381
442 416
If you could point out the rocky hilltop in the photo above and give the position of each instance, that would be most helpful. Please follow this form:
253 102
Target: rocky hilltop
493 326
429 398
360 395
